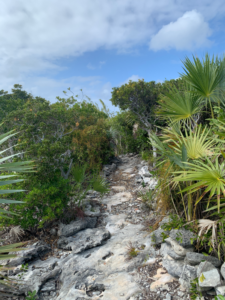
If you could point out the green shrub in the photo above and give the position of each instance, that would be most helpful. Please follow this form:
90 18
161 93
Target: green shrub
44 202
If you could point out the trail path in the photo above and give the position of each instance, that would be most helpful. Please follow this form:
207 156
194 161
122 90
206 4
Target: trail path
93 263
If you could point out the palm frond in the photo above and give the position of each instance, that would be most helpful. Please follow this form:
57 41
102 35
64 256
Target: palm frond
208 175
179 105
206 77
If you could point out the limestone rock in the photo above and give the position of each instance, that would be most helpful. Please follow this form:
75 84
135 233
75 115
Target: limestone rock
189 273
156 236
179 250
119 188
220 290
76 226
194 258
166 249
93 212
208 275
222 270
36 250
211 278
204 267
173 267
162 279
108 169
182 236
83 240
144 172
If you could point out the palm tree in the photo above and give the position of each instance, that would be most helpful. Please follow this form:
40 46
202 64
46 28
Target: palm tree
180 106
15 167
184 152
207 78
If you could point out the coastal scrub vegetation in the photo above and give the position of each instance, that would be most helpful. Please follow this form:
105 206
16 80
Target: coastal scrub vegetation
177 125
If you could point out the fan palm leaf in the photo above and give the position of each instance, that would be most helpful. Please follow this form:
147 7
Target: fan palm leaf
209 176
17 167
179 106
199 144
206 77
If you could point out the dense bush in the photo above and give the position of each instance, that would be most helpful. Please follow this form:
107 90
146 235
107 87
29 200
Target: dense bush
127 136
57 137
92 144
43 202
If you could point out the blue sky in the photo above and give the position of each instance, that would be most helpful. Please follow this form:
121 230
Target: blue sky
95 45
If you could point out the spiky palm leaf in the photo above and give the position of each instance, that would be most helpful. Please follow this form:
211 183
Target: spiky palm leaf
198 144
179 106
209 176
206 77
10 248
17 167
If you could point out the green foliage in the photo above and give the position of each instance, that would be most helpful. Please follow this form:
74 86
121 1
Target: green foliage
31 295
92 144
125 138
131 251
206 77
179 105
84 182
147 197
194 290
145 155
164 236
220 297
57 136
44 202
175 222
16 167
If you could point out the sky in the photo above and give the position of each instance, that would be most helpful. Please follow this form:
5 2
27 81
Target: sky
48 46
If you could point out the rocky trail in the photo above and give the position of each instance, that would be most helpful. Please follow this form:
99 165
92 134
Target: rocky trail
90 259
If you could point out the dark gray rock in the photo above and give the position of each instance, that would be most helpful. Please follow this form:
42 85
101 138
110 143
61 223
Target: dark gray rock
36 250
182 236
76 226
173 267
138 179
108 169
93 212
156 236
53 231
174 255
86 239
165 248
115 160
189 273
194 258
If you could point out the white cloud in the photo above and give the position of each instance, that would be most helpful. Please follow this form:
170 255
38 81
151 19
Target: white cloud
132 78
189 32
98 66
36 35
91 67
